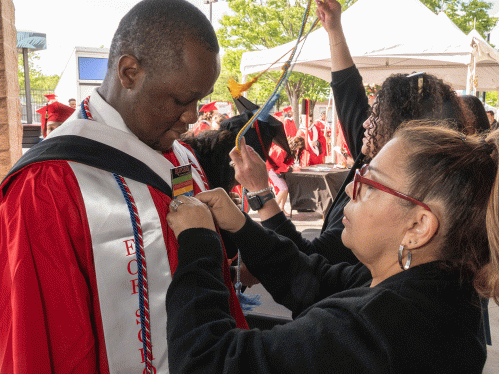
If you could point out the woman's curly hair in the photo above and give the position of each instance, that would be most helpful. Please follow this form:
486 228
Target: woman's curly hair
297 146
400 99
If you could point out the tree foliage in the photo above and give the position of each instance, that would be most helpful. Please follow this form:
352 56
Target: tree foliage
256 25
37 80
466 14
263 24
491 99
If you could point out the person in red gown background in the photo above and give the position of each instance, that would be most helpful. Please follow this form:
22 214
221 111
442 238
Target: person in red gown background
278 163
289 123
53 115
315 143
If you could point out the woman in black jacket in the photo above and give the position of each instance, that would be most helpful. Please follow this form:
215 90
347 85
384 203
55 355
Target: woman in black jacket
422 220
401 98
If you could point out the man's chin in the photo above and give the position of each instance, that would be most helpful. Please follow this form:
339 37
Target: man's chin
161 145
166 146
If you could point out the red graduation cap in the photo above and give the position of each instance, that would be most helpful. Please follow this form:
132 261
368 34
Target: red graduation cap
50 96
55 112
287 109
209 107
279 114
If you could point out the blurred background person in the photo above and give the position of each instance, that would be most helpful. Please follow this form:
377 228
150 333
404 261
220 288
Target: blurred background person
217 119
492 120
53 115
203 123
315 142
299 151
289 123
477 111
278 164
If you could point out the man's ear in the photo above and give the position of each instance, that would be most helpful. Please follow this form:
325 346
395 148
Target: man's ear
422 229
129 71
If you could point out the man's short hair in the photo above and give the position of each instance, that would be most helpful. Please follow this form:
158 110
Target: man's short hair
155 32
491 112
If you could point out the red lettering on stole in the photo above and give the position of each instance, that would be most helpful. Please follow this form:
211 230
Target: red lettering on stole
130 246
130 249
135 286
129 267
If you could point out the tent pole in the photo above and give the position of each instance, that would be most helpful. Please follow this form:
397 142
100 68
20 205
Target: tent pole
27 88
334 128
330 106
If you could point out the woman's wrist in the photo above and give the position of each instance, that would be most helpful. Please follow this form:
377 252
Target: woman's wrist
262 191
337 39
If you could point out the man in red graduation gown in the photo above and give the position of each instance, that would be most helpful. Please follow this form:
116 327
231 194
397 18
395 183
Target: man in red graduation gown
289 124
86 254
315 143
321 123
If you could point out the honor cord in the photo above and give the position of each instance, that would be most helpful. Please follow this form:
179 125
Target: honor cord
140 254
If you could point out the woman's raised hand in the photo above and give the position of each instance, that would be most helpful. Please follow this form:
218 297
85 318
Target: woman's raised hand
250 169
329 13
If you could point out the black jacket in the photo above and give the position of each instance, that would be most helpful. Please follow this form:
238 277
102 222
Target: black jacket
353 109
422 320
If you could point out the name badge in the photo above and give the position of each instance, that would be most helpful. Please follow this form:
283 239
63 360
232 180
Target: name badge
182 183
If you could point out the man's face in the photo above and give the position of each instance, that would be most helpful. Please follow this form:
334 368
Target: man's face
51 126
163 103
72 104
490 116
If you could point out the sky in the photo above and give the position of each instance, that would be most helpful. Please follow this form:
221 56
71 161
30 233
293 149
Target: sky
91 23
79 23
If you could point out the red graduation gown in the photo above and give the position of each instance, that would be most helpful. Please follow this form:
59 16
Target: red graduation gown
290 128
50 316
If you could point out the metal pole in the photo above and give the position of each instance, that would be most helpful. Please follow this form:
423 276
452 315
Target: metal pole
27 87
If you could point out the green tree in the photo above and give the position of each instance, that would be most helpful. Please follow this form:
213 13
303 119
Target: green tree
466 14
257 25
491 99
38 81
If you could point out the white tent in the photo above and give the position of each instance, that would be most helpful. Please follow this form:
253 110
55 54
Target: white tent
392 36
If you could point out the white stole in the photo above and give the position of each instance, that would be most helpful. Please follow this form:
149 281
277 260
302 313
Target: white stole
116 268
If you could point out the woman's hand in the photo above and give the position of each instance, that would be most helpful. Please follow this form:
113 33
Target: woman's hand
236 199
247 279
190 213
226 214
329 13
250 169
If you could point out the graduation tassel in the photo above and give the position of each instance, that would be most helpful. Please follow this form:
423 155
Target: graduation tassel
248 302
237 89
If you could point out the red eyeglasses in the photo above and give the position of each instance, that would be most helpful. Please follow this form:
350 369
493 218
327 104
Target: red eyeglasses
360 179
